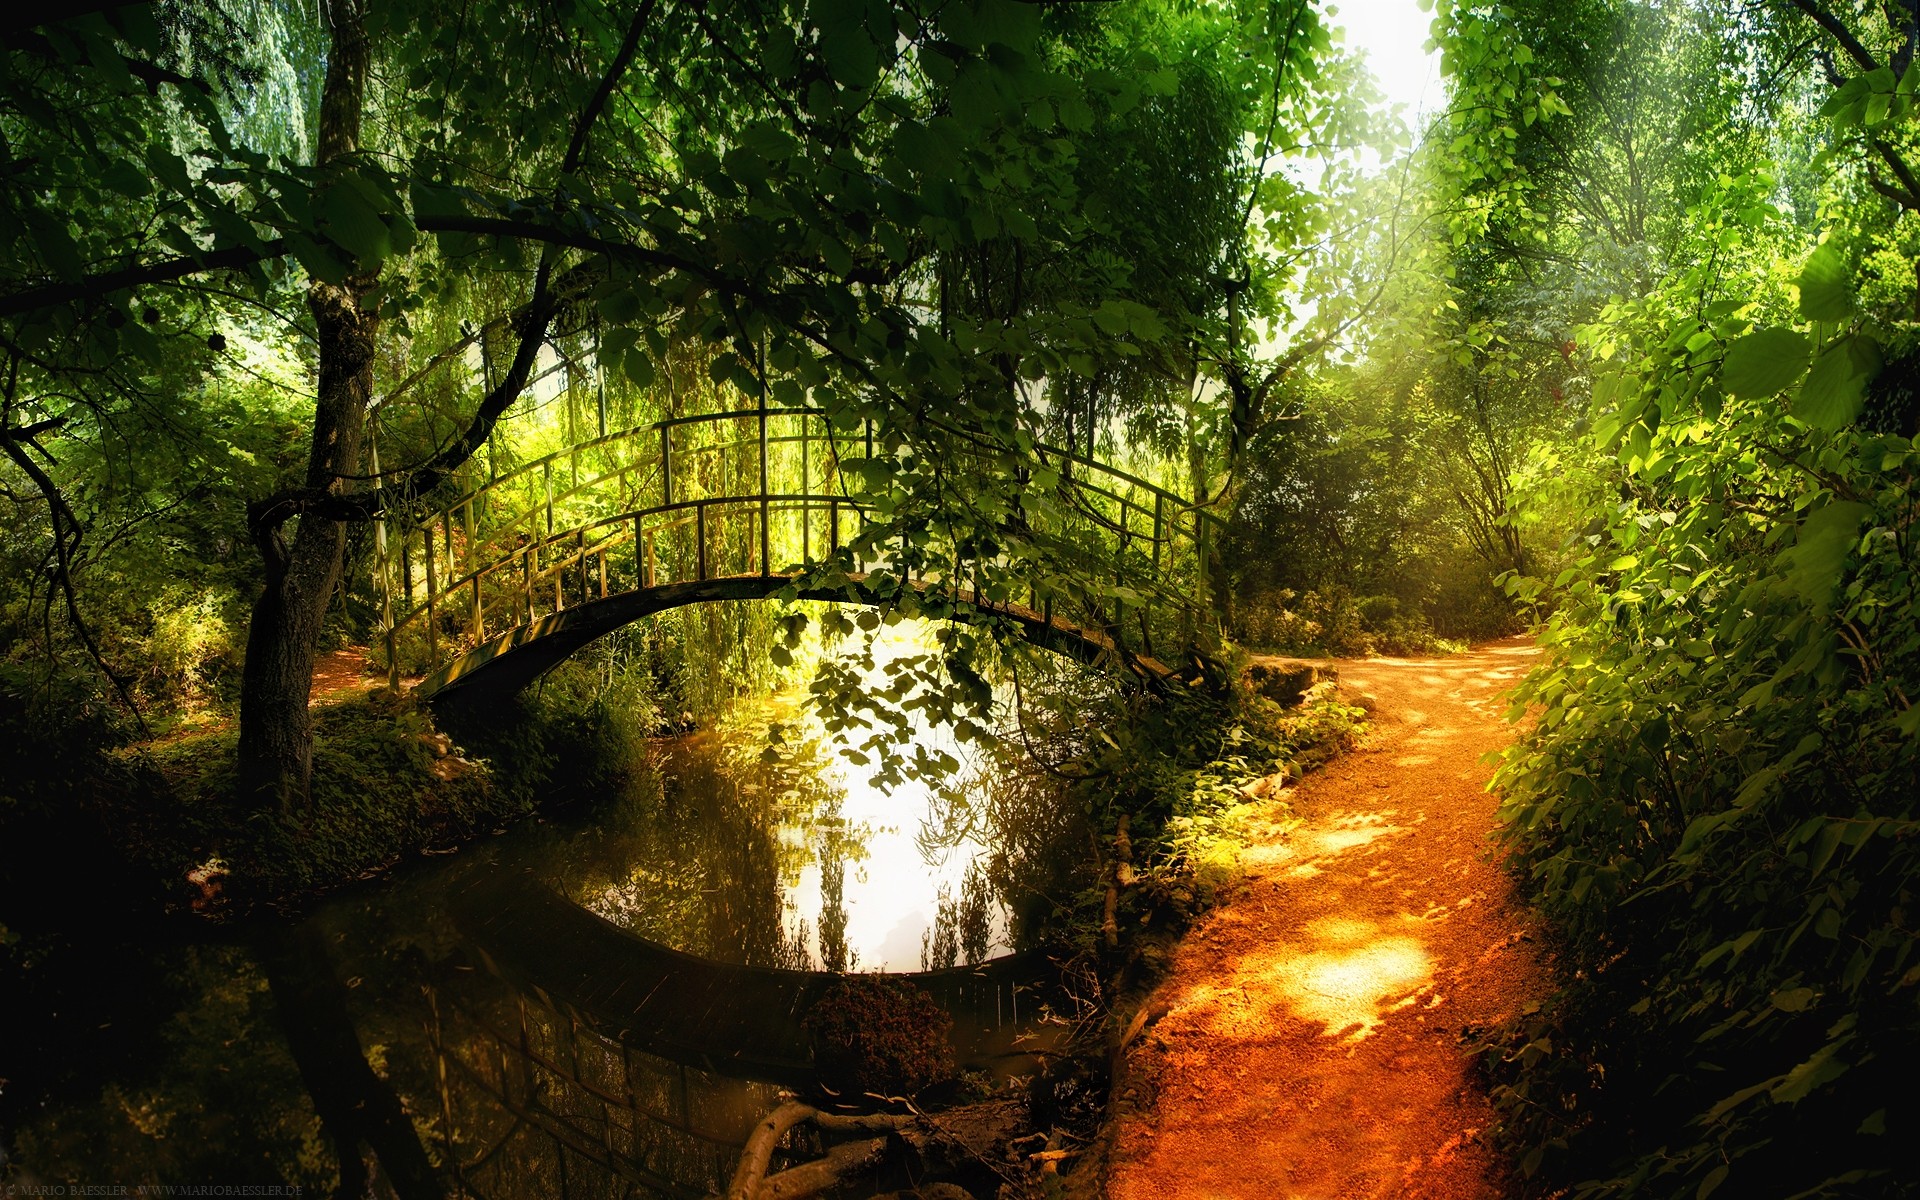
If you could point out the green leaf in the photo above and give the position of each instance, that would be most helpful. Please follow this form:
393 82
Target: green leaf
345 216
121 175
1714 1179
638 367
1826 286
1793 999
1764 362
1822 1068
620 306
320 259
1836 387
1826 538
1111 319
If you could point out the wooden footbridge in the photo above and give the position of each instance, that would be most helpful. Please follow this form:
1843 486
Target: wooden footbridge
488 589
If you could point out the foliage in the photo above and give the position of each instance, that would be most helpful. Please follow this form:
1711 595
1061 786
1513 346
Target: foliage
1339 624
877 1036
1715 804
387 784
206 1090
1176 768
1356 533
959 228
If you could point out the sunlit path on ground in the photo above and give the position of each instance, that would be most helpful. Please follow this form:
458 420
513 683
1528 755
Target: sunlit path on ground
1311 1047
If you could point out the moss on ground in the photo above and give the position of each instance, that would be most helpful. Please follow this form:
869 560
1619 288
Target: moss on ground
388 784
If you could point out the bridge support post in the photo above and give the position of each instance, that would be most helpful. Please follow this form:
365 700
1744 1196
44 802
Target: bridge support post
526 579
642 555
700 539
666 466
433 596
766 509
383 569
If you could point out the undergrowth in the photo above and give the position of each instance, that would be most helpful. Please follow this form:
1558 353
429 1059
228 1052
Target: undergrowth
1718 806
388 783
1180 771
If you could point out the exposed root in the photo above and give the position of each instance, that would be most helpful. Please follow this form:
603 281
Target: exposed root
843 1162
965 1138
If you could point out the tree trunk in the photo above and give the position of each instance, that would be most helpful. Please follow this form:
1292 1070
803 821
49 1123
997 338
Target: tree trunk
276 736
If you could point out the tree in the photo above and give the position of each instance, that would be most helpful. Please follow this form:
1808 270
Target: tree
787 184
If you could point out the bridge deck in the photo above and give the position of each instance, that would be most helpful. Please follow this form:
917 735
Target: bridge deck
512 660
744 1022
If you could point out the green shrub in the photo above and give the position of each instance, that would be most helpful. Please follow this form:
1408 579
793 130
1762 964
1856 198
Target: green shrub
1718 807
386 783
1335 622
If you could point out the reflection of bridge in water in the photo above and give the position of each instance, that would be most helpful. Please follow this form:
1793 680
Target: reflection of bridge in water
591 1062
533 1101
506 579
617 1066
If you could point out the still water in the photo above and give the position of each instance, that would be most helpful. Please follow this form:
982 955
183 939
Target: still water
164 1054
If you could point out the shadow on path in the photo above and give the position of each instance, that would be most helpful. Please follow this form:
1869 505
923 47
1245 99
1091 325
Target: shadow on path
1311 1045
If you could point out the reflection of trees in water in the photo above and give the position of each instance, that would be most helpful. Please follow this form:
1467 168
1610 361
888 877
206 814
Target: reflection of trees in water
833 853
212 1093
533 1103
698 852
1036 848
1035 827
962 929
703 850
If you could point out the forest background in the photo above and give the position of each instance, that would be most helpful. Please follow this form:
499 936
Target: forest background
1619 346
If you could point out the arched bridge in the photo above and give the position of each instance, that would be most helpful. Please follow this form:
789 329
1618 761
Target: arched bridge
490 589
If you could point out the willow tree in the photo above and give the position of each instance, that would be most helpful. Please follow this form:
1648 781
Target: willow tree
777 182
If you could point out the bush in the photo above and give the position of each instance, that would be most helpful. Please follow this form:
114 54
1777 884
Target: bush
1719 808
1335 622
386 783
882 1036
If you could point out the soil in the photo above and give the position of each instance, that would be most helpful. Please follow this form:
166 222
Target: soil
1313 1037
336 671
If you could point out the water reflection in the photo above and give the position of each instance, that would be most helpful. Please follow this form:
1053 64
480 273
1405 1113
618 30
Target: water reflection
379 1003
768 843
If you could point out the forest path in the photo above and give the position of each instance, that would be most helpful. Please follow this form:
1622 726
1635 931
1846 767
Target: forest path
342 671
1310 1047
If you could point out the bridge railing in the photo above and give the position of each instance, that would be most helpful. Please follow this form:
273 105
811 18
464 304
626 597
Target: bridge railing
755 491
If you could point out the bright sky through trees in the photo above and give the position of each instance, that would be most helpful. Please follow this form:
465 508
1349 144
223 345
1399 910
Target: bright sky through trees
1393 34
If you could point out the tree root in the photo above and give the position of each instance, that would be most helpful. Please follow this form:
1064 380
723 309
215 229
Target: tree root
975 1135
750 1178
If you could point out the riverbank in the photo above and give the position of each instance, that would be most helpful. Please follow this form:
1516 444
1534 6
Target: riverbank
1318 1021
391 783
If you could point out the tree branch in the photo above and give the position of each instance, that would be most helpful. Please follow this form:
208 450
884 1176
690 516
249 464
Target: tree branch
1840 33
48 295
61 516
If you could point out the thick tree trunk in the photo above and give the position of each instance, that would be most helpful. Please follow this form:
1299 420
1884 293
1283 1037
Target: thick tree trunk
276 737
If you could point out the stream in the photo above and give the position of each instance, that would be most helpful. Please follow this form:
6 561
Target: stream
161 1054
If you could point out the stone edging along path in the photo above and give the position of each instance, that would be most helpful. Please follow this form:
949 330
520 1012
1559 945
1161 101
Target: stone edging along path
1308 1041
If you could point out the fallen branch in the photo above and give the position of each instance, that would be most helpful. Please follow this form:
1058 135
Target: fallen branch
750 1178
840 1165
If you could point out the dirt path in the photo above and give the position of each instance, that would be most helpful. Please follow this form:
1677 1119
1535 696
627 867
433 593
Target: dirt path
337 671
1311 1043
